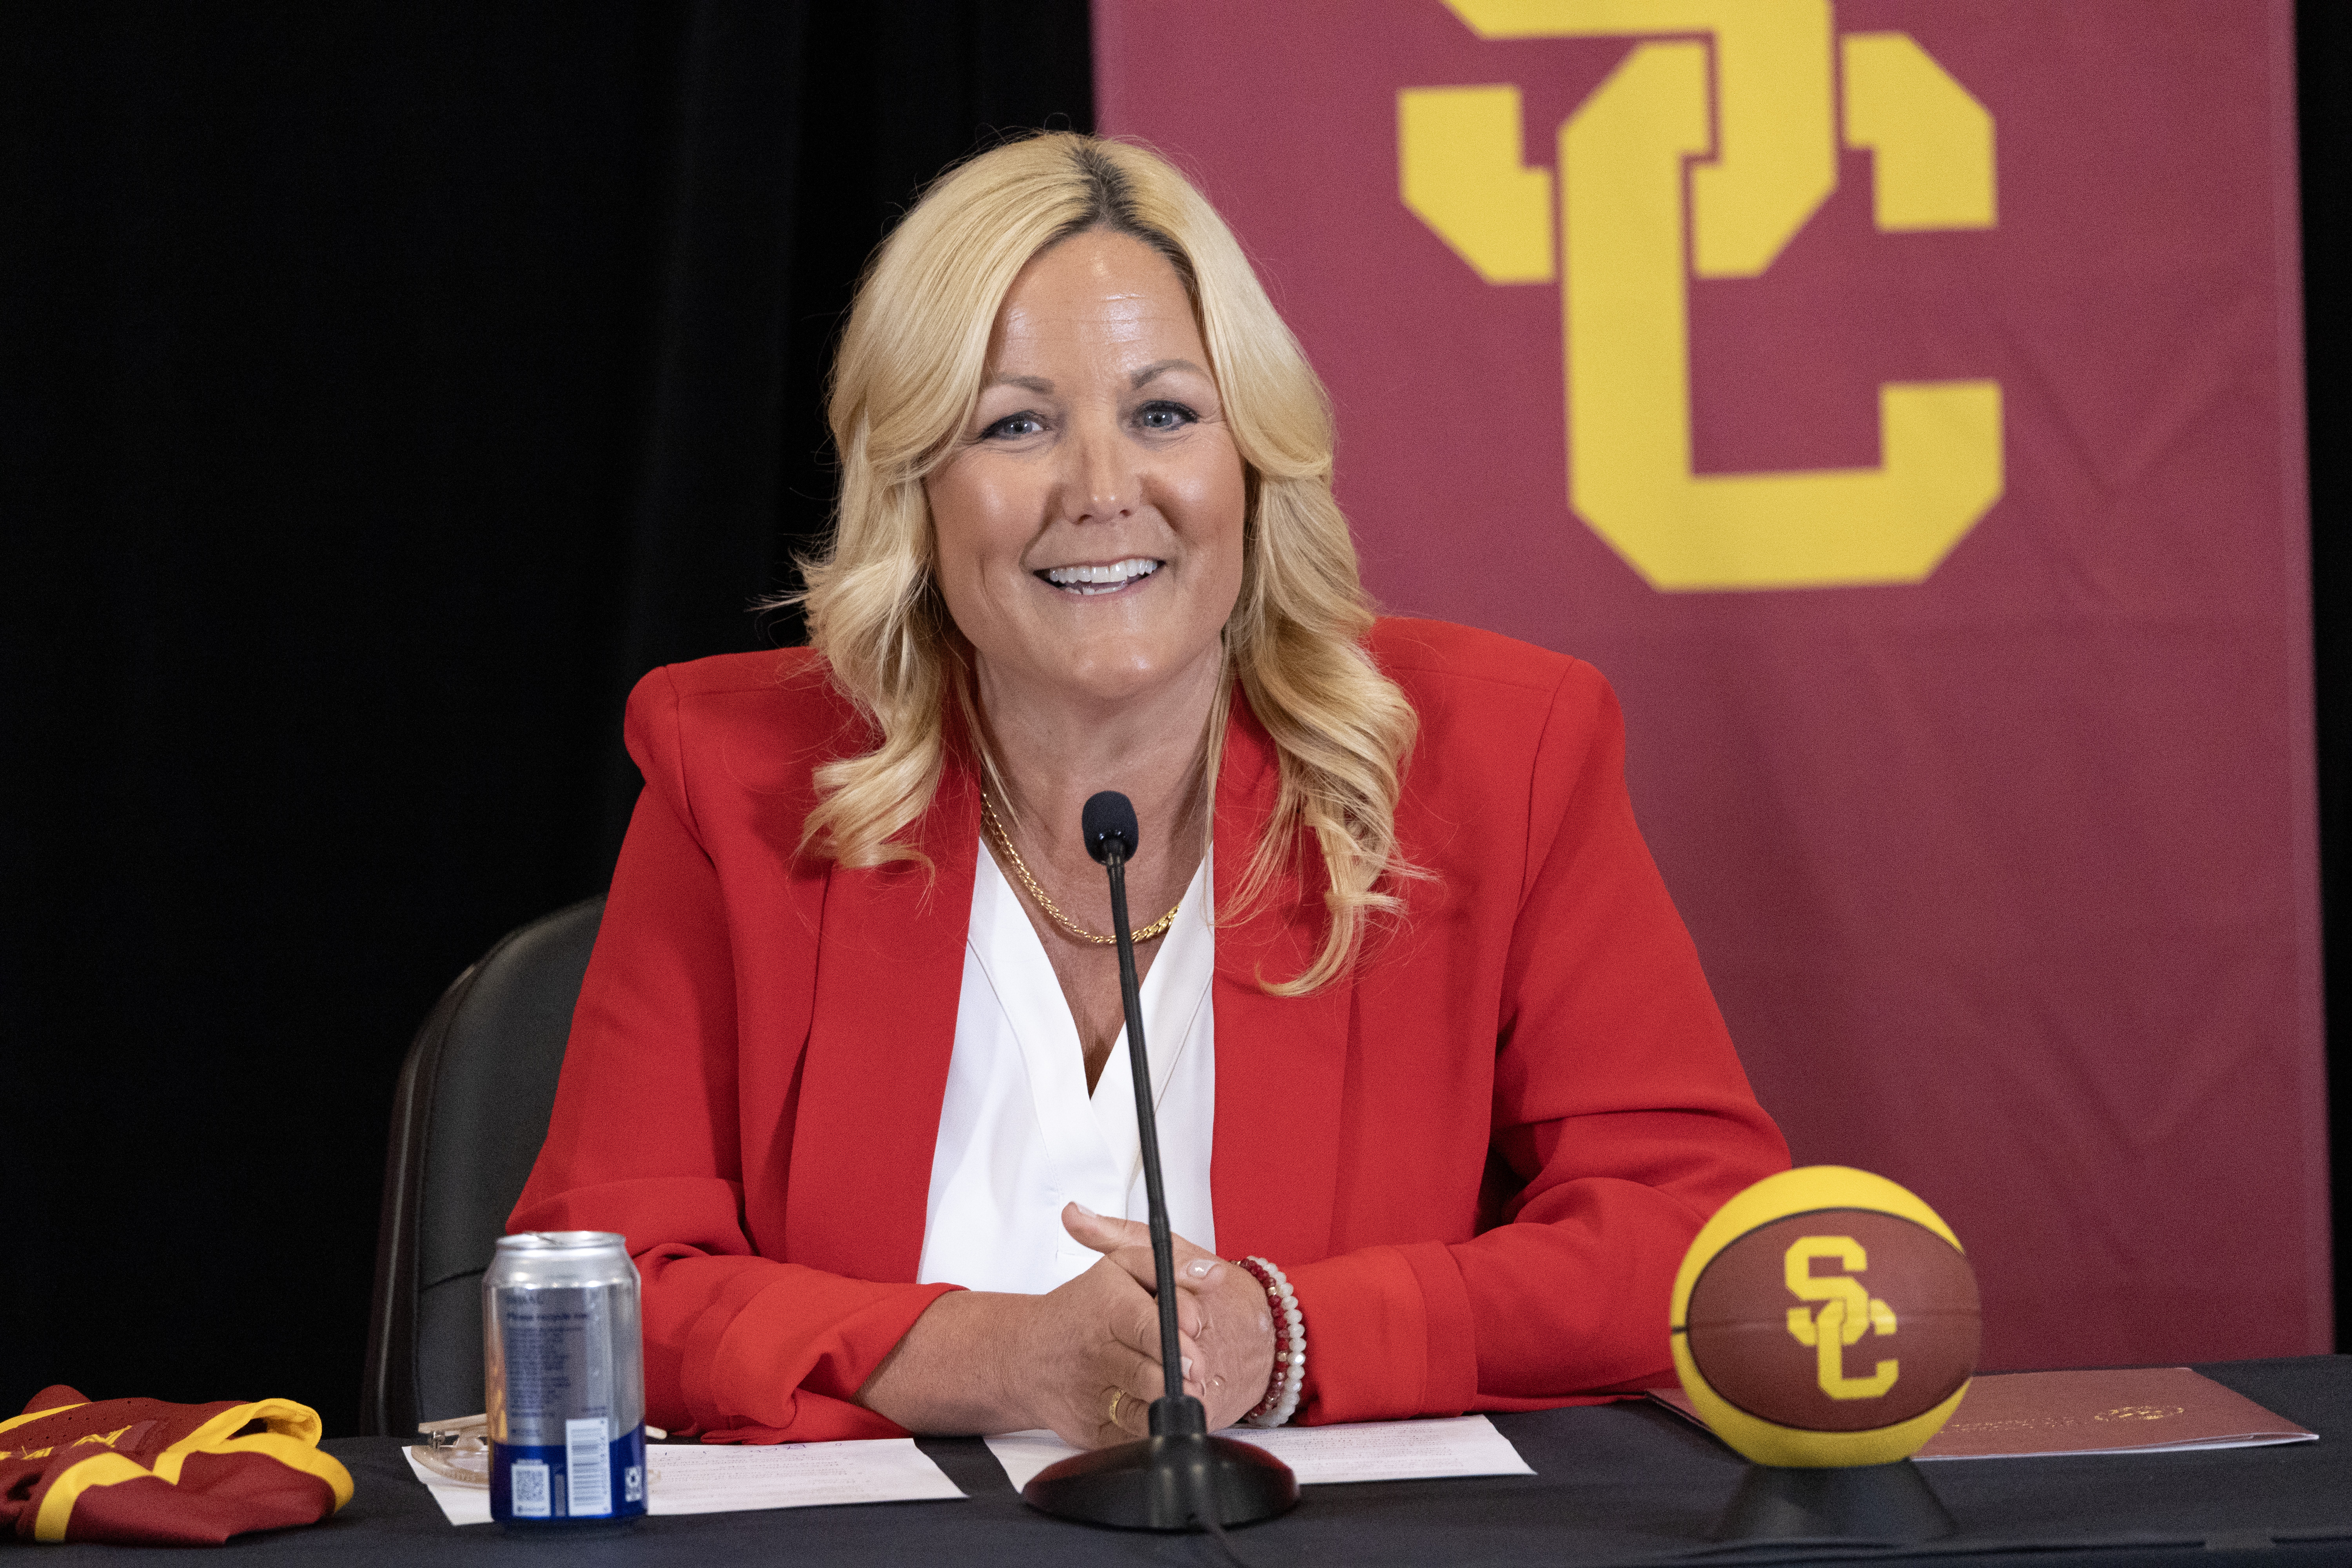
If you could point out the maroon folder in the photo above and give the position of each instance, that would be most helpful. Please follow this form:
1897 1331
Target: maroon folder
2129 1410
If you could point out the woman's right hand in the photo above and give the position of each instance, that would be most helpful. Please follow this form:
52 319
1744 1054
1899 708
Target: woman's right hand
986 1362
1096 1338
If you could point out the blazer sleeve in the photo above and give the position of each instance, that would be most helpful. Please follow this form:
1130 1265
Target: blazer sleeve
1621 1120
646 1139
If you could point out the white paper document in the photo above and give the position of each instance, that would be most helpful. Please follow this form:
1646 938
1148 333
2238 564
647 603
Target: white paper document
692 1477
1320 1455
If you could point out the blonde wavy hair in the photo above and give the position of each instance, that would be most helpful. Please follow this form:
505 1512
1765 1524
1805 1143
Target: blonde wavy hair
905 383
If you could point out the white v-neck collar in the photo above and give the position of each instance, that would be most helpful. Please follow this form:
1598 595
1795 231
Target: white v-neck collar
1009 949
1019 1134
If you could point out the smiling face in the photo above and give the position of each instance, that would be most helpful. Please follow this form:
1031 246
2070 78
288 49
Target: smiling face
1088 523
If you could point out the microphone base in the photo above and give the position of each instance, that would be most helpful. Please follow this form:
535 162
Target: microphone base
1158 1483
1868 1504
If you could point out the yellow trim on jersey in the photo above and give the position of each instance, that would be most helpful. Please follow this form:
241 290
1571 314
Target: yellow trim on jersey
294 1454
291 1439
37 1415
100 1469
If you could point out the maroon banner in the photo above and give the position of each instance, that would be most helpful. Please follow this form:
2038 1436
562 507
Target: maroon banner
1901 404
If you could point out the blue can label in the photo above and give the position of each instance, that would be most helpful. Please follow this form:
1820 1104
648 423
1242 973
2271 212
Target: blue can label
583 1477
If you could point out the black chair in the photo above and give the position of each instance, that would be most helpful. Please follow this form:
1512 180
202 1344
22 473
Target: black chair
467 1122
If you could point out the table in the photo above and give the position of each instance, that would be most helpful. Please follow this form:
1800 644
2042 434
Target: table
1622 1483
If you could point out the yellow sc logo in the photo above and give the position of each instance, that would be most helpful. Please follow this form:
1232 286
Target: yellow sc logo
1848 1311
1618 252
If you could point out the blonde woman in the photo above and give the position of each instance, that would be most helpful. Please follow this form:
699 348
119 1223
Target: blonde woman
1441 1091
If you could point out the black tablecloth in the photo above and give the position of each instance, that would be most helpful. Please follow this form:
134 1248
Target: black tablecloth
1622 1483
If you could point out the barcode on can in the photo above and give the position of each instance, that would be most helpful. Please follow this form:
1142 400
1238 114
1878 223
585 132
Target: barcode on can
529 1479
590 1467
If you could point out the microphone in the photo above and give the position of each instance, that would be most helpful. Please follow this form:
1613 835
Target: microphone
1179 1478
1107 820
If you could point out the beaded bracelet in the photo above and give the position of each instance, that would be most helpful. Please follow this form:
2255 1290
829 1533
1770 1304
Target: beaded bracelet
1282 1389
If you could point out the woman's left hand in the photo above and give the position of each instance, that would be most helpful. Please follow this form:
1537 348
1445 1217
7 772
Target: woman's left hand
1236 1334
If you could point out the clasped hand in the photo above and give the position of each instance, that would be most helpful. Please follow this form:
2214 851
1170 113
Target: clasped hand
1083 1359
1103 1330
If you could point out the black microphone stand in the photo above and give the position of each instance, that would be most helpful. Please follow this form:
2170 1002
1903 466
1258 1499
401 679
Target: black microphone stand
1179 1478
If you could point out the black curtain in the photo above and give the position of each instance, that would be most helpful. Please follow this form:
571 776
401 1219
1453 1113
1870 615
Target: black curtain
383 389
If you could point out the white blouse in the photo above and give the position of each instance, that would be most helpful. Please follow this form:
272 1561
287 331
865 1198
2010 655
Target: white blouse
1019 1134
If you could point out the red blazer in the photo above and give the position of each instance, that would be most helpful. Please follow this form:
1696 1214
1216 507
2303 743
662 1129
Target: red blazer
1479 1159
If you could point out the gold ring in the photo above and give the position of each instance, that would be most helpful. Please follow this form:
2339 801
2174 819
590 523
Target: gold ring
1116 1396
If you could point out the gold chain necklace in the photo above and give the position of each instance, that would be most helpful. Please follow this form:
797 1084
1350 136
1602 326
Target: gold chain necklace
1003 840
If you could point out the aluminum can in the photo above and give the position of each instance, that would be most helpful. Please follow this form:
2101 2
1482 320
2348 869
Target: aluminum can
563 1361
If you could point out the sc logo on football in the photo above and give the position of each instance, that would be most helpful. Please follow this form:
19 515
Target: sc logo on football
1783 91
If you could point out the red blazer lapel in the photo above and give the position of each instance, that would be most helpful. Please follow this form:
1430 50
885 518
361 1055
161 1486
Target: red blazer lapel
881 1031
1281 1061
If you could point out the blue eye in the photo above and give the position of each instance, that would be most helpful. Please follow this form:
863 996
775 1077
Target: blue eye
1013 426
1165 417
